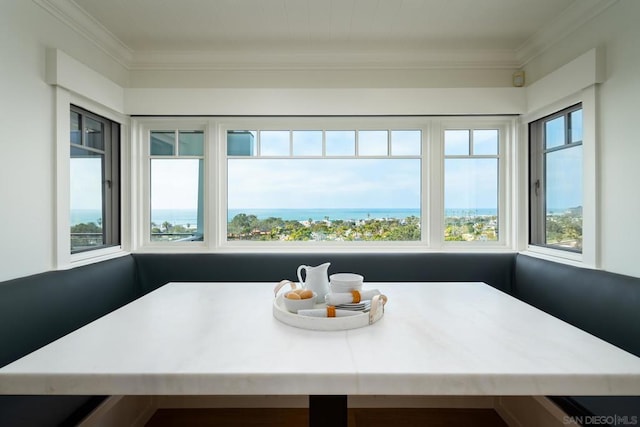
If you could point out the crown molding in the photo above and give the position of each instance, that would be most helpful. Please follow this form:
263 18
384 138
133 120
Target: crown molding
72 15
579 13
86 25
259 59
248 58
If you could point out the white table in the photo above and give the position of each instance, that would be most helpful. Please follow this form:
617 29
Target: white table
221 338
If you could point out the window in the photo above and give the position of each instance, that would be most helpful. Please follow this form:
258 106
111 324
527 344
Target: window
176 162
556 166
288 183
471 184
94 181
324 184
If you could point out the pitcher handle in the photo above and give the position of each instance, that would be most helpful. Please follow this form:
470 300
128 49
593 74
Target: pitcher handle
299 273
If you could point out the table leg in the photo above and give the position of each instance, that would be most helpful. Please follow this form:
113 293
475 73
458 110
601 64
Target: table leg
328 411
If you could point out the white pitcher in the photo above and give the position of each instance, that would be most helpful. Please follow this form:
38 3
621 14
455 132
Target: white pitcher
316 279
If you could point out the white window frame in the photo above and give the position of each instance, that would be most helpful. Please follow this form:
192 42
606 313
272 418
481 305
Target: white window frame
325 124
590 256
143 219
506 178
432 181
64 259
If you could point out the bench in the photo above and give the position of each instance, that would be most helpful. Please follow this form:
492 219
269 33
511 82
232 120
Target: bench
604 304
38 309
41 308
154 270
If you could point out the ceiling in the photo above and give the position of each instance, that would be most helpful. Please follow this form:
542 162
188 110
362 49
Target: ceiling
142 32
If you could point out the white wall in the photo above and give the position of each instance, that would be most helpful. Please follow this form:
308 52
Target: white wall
618 32
26 141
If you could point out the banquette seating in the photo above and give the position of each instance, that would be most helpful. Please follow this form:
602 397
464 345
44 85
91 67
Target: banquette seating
39 309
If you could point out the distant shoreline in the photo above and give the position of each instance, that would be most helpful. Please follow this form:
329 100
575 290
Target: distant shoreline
189 216
324 213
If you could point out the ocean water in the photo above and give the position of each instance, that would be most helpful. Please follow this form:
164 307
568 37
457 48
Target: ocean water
175 216
84 216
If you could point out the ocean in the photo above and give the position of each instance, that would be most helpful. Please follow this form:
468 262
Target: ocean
85 216
189 216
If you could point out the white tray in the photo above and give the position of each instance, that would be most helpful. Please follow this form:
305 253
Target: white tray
329 323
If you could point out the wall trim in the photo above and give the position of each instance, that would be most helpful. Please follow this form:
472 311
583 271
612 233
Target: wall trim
584 71
568 80
324 102
66 72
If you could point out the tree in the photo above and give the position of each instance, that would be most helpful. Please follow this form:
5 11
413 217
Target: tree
242 224
85 228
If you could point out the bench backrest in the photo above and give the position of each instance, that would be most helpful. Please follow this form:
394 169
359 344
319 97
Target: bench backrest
604 304
38 309
496 269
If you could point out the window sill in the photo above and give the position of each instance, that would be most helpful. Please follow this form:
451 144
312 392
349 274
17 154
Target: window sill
90 257
321 247
556 255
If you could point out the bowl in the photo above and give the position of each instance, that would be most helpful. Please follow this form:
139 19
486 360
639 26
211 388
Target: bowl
293 305
346 282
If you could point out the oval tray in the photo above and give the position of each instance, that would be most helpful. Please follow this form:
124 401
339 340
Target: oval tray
329 323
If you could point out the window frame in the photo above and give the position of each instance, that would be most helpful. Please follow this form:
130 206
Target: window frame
505 186
63 258
111 194
431 169
537 176
591 256
143 221
324 124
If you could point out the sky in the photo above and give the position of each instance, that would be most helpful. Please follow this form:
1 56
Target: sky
174 183
86 183
331 183
323 183
564 167
471 184
263 183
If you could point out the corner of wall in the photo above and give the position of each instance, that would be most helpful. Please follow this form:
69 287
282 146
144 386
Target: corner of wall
69 73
